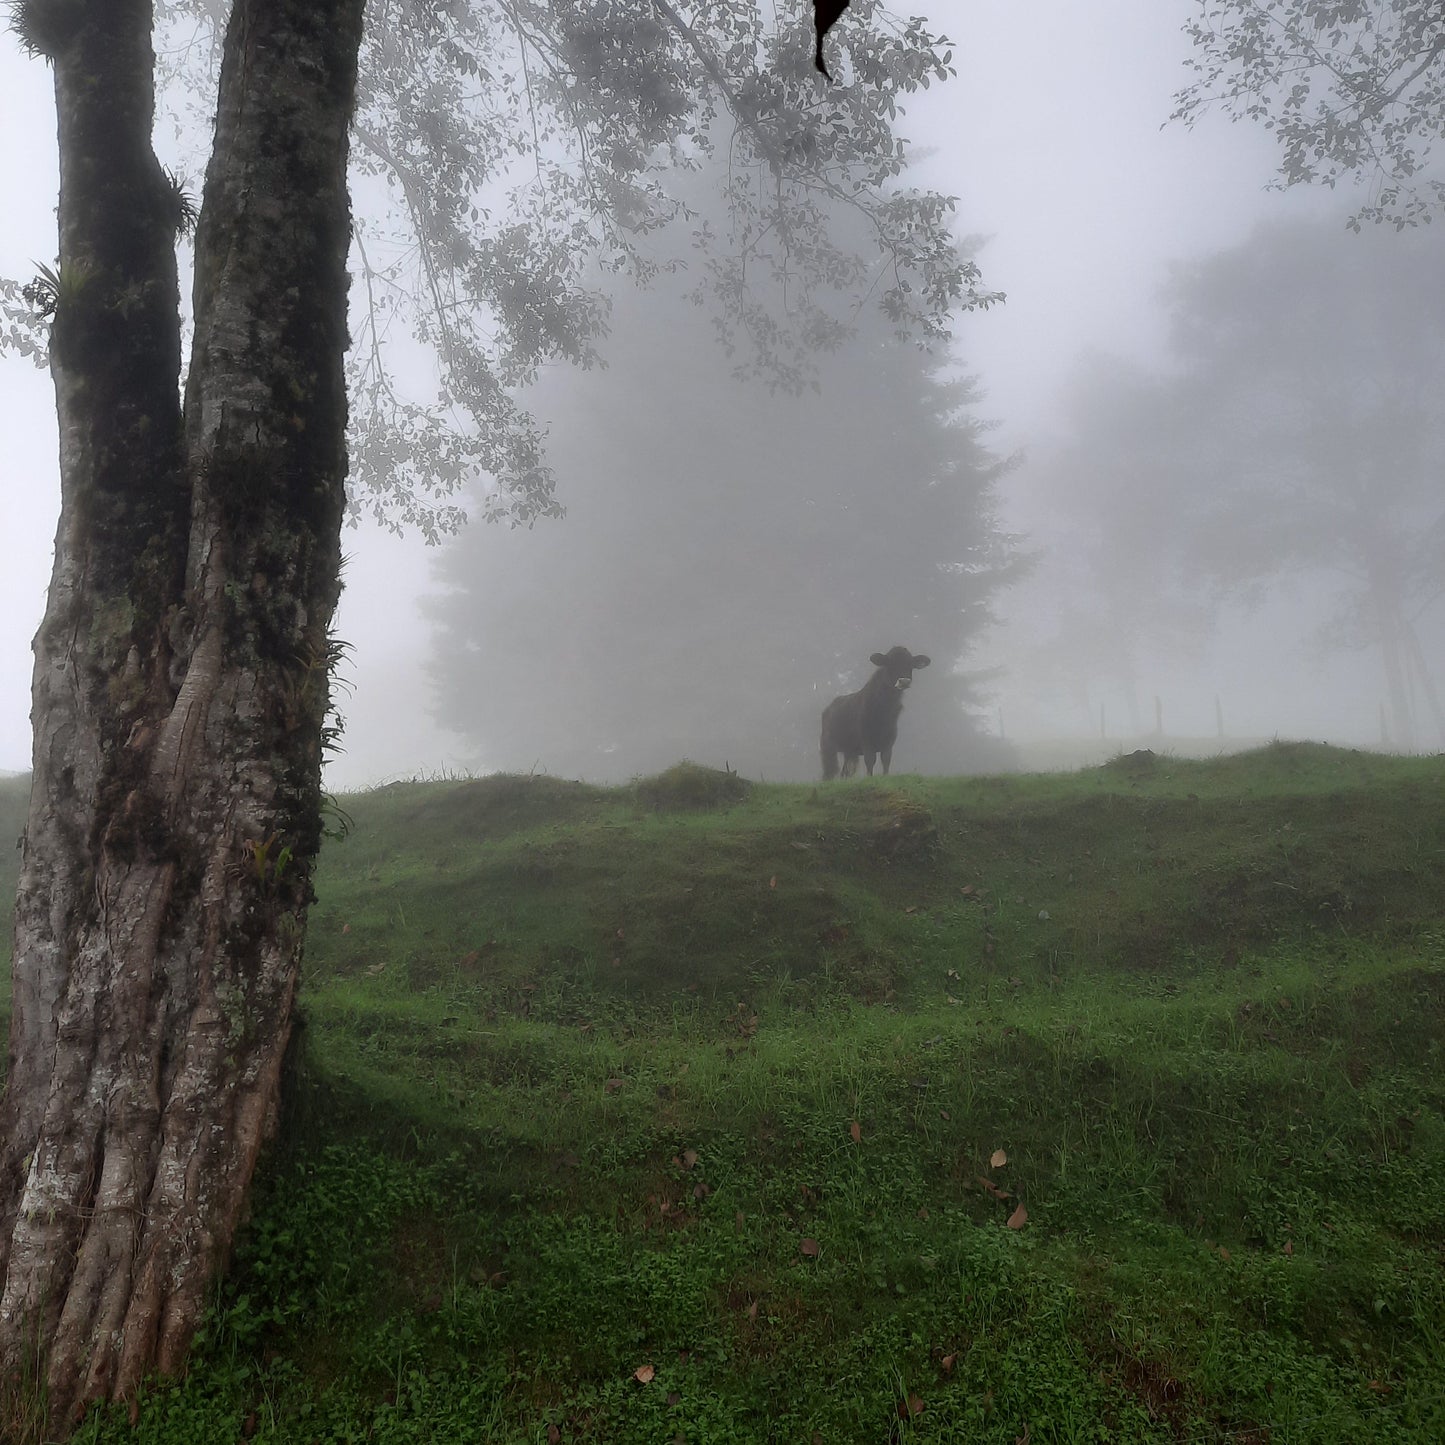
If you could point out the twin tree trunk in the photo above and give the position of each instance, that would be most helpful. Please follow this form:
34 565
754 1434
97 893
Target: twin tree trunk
181 685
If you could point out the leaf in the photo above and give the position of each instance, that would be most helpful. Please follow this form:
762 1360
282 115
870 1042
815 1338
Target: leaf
689 1158
1018 1218
992 1188
998 1159
613 1085
910 1407
643 1374
773 881
554 1435
1289 1246
346 928
947 1363
1223 1253
809 1248
753 1310
856 1132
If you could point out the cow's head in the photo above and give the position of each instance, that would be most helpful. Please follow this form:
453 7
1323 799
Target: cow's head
899 665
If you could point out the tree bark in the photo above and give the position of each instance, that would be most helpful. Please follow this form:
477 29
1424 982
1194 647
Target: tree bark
181 687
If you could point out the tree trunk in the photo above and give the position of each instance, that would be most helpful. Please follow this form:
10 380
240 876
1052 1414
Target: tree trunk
181 686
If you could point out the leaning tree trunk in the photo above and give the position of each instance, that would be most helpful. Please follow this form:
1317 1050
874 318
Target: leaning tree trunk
181 685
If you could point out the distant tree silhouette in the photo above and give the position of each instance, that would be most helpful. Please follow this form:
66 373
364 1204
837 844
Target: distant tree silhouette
1297 430
729 561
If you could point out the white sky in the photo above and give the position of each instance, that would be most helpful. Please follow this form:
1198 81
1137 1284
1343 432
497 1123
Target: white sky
1051 137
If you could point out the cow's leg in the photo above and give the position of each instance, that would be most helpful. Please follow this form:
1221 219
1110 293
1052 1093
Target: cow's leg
868 758
850 766
887 759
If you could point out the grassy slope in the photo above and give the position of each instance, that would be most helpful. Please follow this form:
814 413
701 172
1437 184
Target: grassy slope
584 1070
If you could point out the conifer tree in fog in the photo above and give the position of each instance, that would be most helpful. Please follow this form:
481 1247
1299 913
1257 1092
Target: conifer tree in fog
729 561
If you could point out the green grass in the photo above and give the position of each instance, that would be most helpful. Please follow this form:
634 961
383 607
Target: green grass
583 1069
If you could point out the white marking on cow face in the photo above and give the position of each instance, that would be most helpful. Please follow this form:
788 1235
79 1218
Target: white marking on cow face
903 684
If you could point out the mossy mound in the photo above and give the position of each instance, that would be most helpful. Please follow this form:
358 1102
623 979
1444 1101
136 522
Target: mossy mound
691 787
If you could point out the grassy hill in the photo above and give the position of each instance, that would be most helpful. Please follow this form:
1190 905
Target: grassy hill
1103 1106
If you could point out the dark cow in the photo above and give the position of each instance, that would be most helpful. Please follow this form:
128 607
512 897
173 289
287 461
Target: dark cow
865 723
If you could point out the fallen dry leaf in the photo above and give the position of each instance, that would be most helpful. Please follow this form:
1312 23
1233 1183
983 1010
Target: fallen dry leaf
689 1158
346 928
753 1310
998 1159
910 1407
1223 1253
554 1435
992 1188
809 1247
1289 1246
948 1362
856 1132
773 881
613 1085
1018 1218
643 1374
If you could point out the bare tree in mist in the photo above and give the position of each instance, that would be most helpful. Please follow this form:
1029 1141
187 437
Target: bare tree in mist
181 685
1299 430
1348 87
729 561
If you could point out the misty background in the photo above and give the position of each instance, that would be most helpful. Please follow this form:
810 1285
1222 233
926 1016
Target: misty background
1185 479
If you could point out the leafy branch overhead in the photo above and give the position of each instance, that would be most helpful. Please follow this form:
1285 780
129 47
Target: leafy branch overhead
510 161
1349 87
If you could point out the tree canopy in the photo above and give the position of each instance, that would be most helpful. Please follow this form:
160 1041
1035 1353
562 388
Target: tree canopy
508 159
1349 87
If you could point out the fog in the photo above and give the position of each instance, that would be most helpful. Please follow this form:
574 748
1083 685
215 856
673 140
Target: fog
1172 601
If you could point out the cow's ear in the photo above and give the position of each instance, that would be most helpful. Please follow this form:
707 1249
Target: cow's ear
878 660
919 661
